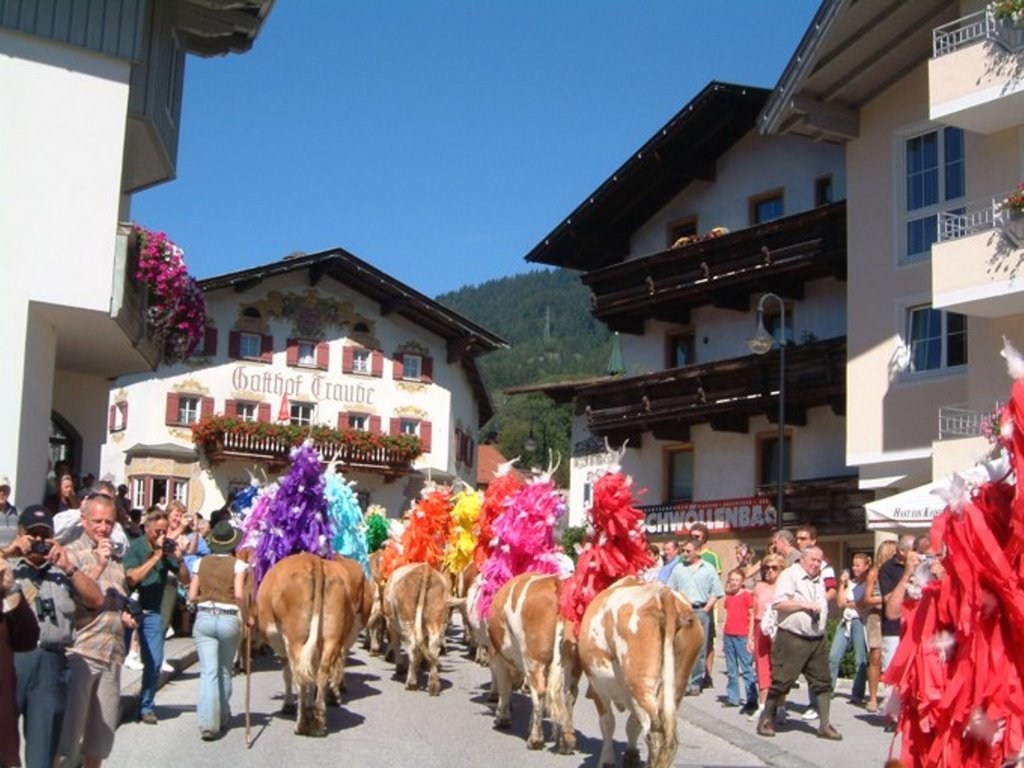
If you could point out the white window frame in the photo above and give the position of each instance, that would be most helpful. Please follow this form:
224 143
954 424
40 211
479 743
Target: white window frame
120 416
247 411
907 215
409 358
408 426
307 360
189 415
245 337
362 419
177 489
908 342
301 414
362 361
138 492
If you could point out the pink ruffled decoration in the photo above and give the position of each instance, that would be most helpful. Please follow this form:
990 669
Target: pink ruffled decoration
525 539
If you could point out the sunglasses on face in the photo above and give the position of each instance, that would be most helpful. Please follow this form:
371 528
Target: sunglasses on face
771 567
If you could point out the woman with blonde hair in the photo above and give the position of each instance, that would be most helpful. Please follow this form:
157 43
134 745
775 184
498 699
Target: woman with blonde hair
871 610
758 643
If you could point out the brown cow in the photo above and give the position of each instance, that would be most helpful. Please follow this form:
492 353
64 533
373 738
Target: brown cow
526 634
306 609
360 592
376 628
638 643
416 608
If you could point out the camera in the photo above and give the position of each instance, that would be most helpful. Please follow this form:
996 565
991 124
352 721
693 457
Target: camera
134 609
46 609
40 547
169 546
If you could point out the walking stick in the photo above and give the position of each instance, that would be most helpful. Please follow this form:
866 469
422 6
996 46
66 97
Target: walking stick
248 655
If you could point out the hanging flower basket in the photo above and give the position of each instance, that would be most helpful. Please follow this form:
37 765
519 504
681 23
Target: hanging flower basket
176 310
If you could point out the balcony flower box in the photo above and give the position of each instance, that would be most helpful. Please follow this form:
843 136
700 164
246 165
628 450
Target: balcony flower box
1012 212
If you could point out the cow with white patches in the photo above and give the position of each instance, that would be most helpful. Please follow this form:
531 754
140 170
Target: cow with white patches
527 638
637 644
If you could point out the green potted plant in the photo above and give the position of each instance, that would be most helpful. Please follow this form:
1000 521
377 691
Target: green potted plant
1010 11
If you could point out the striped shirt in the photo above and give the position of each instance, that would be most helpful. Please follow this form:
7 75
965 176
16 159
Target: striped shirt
99 634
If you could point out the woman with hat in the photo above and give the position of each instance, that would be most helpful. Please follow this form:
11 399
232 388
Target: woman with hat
217 590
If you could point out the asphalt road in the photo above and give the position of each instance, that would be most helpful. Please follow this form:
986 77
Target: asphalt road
380 723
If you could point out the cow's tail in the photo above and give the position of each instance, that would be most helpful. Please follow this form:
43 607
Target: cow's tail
554 698
419 628
670 624
303 672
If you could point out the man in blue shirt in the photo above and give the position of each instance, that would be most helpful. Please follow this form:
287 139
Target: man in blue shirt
671 554
697 580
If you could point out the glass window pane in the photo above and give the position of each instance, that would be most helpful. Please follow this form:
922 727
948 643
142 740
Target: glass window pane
956 339
953 141
770 460
681 475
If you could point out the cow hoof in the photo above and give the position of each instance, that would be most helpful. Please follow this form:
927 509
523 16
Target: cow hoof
434 689
566 747
505 723
535 743
631 758
289 709
412 687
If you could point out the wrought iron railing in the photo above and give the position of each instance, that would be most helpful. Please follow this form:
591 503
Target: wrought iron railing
978 418
974 28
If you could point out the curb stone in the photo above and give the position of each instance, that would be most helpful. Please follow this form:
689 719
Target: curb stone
760 747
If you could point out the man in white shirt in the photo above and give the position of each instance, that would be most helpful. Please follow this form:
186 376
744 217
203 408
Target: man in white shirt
801 645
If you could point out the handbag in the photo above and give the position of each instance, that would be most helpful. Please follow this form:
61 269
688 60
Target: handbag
770 622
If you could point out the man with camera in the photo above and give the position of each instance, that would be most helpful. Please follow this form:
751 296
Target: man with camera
97 653
150 561
49 584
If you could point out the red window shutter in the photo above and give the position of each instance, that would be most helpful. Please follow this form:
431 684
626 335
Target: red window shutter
342 420
397 365
112 418
264 412
235 344
375 425
425 434
396 427
231 408
172 408
458 444
323 355
267 349
346 358
377 363
427 369
293 352
206 407
210 342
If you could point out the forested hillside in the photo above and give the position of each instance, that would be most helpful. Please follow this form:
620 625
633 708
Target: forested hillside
545 317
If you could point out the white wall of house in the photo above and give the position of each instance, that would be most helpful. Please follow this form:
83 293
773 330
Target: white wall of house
61 156
448 403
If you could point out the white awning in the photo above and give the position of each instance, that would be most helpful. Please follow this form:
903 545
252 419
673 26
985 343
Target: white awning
911 509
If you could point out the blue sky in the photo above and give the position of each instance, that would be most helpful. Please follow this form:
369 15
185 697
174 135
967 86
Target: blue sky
439 141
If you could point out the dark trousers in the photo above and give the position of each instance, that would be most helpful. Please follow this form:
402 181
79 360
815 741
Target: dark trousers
794 654
42 690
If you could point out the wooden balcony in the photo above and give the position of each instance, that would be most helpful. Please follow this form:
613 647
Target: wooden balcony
725 271
228 446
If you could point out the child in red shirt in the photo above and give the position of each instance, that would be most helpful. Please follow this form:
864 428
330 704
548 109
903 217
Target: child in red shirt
739 612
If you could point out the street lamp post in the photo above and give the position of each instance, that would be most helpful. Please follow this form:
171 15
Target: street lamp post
761 343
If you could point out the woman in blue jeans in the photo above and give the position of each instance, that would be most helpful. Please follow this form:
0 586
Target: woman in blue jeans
217 590
851 628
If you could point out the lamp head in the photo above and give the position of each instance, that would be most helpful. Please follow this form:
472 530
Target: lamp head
762 341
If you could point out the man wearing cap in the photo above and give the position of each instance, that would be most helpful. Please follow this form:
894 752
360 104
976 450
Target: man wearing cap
7 509
150 561
49 583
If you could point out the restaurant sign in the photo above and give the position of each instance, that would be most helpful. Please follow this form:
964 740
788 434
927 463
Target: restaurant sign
756 513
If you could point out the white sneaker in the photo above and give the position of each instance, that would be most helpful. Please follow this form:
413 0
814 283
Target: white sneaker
169 633
132 661
754 716
780 715
165 667
810 714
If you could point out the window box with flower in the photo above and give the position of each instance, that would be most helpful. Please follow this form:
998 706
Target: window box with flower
1012 211
1010 12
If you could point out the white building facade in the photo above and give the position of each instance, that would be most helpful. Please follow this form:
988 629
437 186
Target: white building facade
91 97
323 339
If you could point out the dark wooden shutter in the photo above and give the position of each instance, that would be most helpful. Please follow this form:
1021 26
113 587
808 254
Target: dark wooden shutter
172 408
397 365
471 452
292 357
231 408
343 420
206 407
323 355
427 369
375 425
264 412
425 435
347 353
377 363
235 344
210 342
112 418
458 444
267 348
396 427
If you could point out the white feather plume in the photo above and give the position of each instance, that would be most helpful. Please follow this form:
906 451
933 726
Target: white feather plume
1014 360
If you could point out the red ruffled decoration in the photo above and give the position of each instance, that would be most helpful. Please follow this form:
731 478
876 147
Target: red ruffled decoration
617 547
424 538
496 496
959 668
